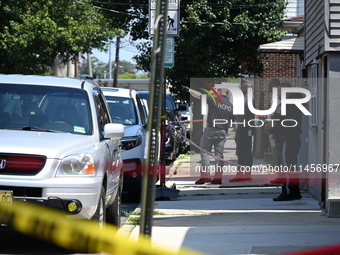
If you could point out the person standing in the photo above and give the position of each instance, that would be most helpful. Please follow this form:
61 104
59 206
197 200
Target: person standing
215 134
244 140
291 132
275 135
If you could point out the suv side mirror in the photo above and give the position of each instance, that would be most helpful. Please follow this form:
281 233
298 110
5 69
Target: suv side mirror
113 131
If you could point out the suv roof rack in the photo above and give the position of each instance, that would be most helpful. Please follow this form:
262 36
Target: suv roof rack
85 77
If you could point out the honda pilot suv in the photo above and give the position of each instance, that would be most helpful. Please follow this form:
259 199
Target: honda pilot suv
59 147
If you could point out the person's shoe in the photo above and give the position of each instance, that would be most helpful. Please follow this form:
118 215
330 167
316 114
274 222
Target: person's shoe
296 197
283 197
277 181
295 192
216 181
203 181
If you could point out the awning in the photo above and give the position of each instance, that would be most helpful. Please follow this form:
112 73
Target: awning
295 44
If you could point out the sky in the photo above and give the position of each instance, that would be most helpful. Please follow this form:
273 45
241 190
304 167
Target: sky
126 52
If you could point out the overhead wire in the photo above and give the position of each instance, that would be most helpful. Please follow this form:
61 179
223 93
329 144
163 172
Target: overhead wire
241 6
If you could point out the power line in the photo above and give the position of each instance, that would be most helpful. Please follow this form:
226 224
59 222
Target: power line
241 6
106 9
225 23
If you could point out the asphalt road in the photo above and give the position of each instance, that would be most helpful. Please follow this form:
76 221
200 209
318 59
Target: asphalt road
13 242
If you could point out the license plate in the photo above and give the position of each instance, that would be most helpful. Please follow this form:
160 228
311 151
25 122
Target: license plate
6 197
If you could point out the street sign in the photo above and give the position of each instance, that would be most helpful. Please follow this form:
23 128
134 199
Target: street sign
172 23
172 19
172 4
169 52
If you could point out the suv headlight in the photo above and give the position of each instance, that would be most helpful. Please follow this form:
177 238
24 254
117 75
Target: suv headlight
78 164
130 142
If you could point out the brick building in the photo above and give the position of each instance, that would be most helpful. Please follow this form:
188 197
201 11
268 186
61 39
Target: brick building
282 60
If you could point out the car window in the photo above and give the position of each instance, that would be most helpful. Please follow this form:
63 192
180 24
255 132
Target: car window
122 110
33 107
103 114
141 110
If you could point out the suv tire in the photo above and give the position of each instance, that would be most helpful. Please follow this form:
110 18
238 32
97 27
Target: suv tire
113 212
100 214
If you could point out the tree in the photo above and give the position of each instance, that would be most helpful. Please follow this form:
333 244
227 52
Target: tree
217 37
34 33
98 67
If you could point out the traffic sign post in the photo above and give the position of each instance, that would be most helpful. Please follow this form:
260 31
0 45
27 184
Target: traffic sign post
169 52
154 123
172 19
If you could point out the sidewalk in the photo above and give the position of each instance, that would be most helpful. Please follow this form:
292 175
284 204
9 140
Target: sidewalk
236 218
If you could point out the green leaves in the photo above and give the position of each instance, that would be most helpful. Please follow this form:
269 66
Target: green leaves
34 33
219 37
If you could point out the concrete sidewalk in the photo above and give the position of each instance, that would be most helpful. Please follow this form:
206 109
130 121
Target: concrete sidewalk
236 218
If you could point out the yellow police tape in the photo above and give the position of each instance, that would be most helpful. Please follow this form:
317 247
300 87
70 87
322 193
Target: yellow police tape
76 235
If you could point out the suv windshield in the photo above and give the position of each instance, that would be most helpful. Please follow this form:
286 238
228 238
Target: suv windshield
122 110
44 108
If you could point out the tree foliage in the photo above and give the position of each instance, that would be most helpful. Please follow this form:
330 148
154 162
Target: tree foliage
34 33
217 38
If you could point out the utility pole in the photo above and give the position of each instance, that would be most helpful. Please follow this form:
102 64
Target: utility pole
115 75
76 67
89 64
110 62
154 123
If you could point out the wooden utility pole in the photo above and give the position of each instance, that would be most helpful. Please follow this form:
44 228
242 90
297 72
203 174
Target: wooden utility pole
115 74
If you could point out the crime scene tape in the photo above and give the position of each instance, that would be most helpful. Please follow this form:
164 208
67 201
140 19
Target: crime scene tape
76 235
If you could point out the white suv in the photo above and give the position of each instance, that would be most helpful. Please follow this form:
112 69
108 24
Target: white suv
127 108
59 146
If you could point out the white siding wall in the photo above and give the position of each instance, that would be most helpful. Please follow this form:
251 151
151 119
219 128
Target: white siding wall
334 25
314 29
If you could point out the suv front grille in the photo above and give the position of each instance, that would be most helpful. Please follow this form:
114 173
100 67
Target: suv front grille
21 164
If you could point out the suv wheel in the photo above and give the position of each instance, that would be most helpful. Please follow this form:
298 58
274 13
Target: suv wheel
100 214
113 212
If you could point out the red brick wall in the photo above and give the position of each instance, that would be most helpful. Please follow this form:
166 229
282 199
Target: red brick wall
281 65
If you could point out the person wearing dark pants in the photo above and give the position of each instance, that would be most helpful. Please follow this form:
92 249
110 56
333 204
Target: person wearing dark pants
275 136
212 137
244 140
292 143
215 134
291 138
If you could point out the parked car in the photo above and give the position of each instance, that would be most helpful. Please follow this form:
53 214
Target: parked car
127 108
174 141
186 118
169 101
59 147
